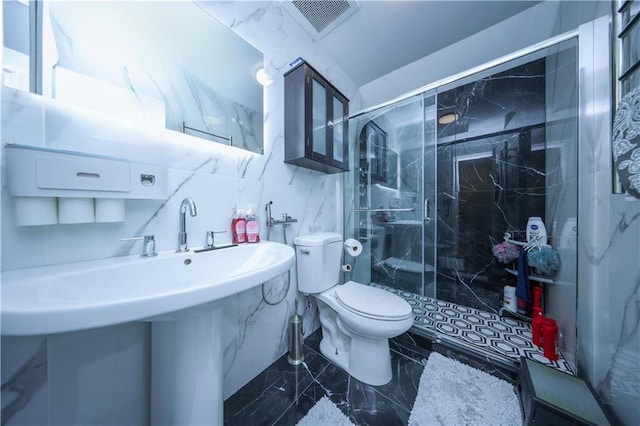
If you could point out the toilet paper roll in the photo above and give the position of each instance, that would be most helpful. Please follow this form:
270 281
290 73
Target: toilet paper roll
75 210
29 211
346 268
353 247
109 210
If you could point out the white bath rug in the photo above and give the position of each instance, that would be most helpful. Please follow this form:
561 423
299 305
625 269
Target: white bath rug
452 393
325 413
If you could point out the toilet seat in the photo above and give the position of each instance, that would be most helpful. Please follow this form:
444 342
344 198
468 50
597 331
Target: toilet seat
371 302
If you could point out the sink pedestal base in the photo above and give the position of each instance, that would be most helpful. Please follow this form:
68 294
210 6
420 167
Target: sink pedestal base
187 367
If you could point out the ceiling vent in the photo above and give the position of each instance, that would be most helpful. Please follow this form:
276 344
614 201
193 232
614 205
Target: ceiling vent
320 17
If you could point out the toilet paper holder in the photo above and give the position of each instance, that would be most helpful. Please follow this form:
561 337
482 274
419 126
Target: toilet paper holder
352 247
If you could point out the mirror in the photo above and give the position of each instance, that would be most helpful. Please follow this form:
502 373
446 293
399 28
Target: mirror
169 64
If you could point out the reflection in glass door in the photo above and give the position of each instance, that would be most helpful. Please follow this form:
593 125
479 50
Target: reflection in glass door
438 179
393 178
319 118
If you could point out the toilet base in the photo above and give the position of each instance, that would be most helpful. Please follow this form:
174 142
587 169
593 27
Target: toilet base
368 359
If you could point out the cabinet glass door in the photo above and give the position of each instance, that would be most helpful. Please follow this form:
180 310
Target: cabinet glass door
318 118
338 123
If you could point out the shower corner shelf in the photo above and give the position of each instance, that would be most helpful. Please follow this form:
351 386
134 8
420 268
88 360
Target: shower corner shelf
504 311
531 277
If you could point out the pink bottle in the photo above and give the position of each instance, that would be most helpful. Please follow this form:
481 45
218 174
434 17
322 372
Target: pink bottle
239 228
253 227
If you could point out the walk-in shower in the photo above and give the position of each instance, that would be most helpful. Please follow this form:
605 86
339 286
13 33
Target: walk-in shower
438 178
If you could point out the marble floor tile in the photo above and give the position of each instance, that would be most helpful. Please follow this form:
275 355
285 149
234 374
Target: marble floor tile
369 404
263 400
300 407
283 394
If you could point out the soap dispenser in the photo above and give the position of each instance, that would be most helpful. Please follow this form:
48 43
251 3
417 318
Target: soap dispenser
239 228
253 227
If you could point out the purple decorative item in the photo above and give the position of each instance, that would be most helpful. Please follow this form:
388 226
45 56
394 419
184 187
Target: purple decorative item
626 142
505 252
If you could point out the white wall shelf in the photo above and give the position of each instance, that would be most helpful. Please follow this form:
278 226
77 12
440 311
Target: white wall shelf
531 277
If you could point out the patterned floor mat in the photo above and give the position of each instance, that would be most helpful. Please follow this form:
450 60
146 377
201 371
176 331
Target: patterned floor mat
500 338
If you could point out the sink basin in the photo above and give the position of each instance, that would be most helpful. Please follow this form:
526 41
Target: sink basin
83 295
179 293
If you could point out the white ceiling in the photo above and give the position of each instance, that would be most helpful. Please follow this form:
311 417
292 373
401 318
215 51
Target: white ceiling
382 36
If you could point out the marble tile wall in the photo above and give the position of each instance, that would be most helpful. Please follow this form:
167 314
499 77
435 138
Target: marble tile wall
493 194
620 338
608 341
63 379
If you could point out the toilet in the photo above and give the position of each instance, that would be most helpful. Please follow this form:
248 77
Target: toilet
357 320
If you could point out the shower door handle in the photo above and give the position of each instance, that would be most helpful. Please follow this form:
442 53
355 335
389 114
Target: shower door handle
427 218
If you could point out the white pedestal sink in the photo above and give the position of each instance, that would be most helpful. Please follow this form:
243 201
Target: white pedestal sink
187 368
180 293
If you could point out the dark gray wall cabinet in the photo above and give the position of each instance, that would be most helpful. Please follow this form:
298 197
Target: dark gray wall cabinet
315 122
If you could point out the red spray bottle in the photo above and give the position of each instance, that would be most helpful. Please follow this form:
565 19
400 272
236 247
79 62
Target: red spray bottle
550 339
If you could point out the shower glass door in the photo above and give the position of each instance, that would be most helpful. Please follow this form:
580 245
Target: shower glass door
390 194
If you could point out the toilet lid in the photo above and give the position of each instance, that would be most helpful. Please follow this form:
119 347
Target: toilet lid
371 301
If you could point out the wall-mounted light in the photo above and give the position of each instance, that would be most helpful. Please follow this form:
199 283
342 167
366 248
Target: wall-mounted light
263 78
447 118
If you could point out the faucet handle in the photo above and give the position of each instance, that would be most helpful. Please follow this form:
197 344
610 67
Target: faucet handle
210 240
148 245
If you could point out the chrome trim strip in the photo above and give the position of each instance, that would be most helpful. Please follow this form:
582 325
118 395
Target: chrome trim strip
487 65
411 209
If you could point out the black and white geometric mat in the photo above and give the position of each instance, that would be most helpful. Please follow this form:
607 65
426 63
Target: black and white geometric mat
501 338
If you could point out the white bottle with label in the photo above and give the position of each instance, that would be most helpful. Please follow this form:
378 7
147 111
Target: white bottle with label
536 230
510 301
253 227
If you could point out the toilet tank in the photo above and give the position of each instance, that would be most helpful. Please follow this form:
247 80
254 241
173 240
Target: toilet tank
318 261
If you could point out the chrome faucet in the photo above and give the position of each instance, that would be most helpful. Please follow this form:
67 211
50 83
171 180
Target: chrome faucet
182 236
